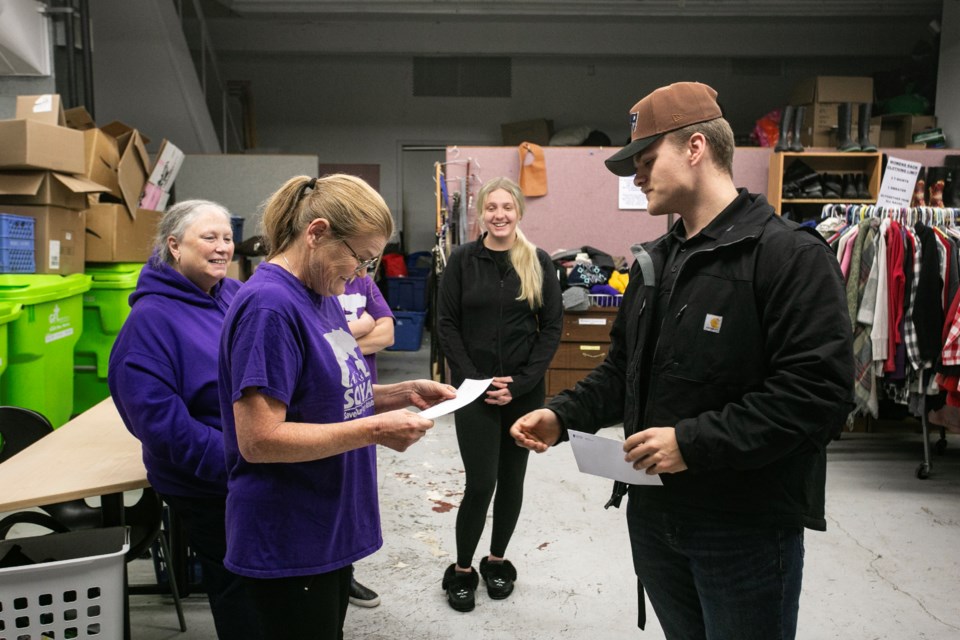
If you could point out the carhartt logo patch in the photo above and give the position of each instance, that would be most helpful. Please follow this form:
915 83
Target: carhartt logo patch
712 323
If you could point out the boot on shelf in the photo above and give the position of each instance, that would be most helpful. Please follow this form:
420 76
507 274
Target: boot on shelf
863 128
797 127
863 187
799 179
845 128
786 119
832 186
919 198
951 192
936 181
850 186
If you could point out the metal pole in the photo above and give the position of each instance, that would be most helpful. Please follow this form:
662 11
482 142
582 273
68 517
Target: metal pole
71 59
87 42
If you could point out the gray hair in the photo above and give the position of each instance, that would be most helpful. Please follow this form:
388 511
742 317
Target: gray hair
175 221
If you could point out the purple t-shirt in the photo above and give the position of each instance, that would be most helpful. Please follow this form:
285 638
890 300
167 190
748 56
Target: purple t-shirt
304 518
363 295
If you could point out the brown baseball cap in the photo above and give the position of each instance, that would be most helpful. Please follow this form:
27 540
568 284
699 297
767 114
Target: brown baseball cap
666 109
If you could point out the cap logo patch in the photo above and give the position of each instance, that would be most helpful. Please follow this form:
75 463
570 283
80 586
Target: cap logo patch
677 117
633 122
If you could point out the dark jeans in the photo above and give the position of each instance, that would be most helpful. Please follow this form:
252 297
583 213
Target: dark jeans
230 601
311 607
492 461
717 581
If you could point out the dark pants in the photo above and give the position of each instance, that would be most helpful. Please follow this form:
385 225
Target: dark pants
492 462
311 607
230 601
717 581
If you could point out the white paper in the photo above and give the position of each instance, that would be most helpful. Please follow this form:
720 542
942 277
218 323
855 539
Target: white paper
899 178
630 195
469 391
604 457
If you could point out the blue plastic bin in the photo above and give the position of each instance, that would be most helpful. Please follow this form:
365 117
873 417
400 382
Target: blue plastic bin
418 264
408 330
407 294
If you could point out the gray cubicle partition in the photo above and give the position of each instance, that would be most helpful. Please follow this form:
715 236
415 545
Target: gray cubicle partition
240 182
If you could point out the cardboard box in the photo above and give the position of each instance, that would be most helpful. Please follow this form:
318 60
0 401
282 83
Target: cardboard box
897 129
44 108
46 188
132 167
832 89
101 153
31 144
535 131
79 118
58 237
156 191
113 236
820 126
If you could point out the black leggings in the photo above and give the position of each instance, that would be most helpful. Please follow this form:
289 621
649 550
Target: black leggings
492 461
311 607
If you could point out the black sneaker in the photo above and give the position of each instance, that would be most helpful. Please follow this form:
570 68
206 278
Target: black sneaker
361 596
499 577
460 588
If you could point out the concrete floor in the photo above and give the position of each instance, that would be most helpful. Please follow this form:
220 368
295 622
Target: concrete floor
887 568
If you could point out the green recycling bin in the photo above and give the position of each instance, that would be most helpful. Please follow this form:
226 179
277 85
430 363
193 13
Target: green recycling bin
105 309
9 311
39 373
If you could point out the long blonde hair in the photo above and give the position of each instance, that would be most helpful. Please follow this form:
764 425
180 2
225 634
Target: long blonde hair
523 253
351 206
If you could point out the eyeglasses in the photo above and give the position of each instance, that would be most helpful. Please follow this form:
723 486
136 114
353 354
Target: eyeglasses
363 265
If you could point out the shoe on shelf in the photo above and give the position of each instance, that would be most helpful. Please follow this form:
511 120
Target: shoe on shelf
499 577
460 587
362 596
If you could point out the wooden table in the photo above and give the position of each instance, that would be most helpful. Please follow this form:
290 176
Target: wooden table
92 455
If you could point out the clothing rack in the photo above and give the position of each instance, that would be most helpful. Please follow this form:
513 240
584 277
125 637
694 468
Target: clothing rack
853 215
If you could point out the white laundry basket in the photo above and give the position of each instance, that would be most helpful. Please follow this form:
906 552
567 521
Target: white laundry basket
74 591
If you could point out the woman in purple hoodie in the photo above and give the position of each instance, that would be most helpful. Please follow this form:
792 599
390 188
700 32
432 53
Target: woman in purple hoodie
163 378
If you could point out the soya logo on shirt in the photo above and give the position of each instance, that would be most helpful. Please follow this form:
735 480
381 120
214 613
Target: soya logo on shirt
354 375
59 326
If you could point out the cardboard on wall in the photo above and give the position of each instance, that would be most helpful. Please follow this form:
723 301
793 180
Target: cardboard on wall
46 188
31 144
113 236
44 108
535 131
832 89
58 237
132 167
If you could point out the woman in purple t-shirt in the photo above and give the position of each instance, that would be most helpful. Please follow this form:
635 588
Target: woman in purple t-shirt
301 414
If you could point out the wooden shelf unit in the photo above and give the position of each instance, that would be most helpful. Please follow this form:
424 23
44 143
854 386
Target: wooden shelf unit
836 162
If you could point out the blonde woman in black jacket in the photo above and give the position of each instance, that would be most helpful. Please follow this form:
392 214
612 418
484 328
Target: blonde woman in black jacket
499 316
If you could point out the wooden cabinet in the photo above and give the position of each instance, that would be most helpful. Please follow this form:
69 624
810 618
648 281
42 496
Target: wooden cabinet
836 162
583 345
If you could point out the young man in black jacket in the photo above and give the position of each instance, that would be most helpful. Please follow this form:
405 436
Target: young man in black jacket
730 367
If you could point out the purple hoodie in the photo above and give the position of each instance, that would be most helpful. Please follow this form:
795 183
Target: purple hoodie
163 379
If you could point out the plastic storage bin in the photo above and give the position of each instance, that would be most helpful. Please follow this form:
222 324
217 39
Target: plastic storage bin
408 330
105 309
236 226
16 244
418 264
407 294
39 372
75 589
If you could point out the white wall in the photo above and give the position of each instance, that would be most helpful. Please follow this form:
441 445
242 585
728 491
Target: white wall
948 78
144 76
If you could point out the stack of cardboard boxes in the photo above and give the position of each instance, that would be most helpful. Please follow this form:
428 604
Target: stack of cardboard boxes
86 187
823 95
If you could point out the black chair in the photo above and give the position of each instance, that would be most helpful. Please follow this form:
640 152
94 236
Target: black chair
19 429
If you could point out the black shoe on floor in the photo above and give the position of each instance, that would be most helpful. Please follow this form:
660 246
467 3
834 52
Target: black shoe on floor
460 588
361 596
499 577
